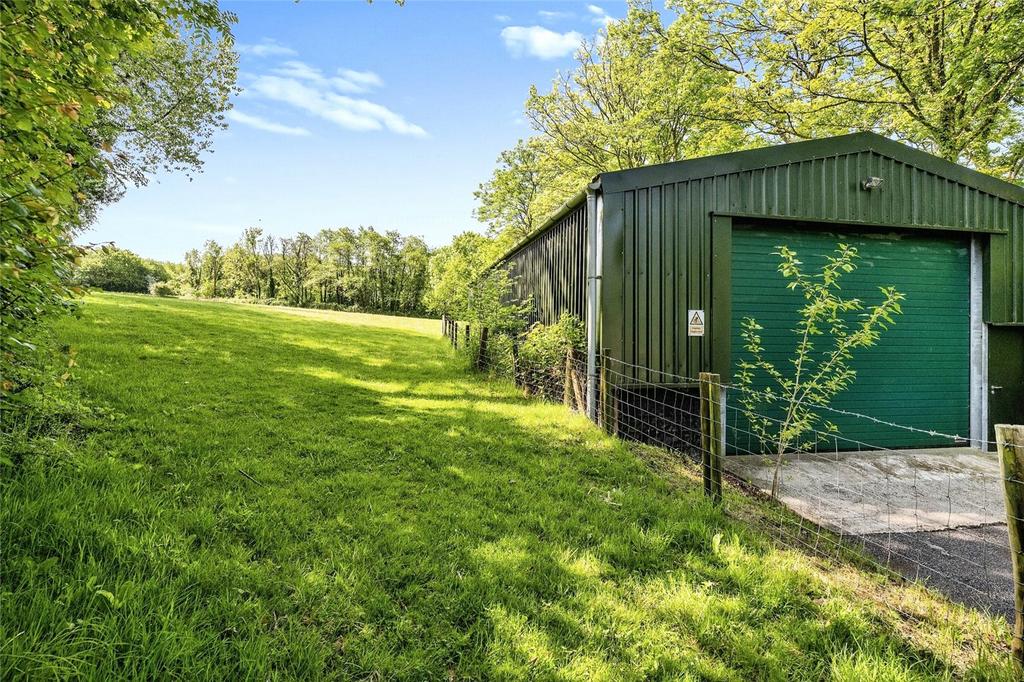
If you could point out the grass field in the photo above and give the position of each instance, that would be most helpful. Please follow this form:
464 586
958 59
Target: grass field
270 494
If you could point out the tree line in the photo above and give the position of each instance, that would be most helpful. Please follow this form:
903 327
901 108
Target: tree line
343 268
112 269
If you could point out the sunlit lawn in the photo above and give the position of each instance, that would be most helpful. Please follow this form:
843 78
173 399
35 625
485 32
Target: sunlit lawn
266 493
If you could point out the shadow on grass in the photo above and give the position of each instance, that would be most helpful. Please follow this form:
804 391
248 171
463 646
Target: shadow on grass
279 497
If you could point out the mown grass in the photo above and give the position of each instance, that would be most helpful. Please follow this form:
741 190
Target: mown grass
265 494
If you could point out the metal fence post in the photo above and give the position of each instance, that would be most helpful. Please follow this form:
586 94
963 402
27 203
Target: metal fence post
1010 442
711 434
602 391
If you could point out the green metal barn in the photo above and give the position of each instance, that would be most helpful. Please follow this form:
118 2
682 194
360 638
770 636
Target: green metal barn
640 252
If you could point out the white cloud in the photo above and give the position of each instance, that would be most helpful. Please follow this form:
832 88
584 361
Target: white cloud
261 123
549 15
541 42
503 18
365 78
347 80
265 48
296 88
600 16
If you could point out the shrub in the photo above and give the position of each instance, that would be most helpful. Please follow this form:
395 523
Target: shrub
113 269
163 289
545 346
536 359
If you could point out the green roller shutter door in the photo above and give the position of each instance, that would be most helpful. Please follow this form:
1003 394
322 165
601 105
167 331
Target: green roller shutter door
919 372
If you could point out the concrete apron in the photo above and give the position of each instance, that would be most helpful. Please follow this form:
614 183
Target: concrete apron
901 491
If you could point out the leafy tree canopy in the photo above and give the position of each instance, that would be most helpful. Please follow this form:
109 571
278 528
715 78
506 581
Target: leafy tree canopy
453 268
113 269
947 77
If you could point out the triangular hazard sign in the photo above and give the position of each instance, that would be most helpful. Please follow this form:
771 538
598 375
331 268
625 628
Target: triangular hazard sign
696 318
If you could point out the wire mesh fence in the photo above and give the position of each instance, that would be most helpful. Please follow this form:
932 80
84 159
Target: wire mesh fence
936 515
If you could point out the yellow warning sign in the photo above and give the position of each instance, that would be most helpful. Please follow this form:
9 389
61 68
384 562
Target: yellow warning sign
695 323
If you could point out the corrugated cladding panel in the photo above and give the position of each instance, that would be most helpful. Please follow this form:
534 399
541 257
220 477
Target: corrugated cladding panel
551 268
829 189
658 247
1006 269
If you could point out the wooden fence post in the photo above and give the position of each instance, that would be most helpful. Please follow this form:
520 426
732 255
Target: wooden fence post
567 386
455 335
481 359
1010 442
444 323
577 390
711 434
467 336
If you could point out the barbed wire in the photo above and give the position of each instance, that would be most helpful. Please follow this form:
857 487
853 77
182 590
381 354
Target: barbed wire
826 408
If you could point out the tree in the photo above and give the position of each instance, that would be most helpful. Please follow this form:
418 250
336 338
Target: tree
213 268
295 254
362 268
506 201
453 268
947 77
631 102
177 94
193 270
162 271
628 102
243 266
253 264
233 272
819 371
113 269
267 247
414 260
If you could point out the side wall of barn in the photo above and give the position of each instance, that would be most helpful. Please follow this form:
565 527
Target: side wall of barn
550 268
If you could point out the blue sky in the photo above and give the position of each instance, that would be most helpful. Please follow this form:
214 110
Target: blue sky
357 114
